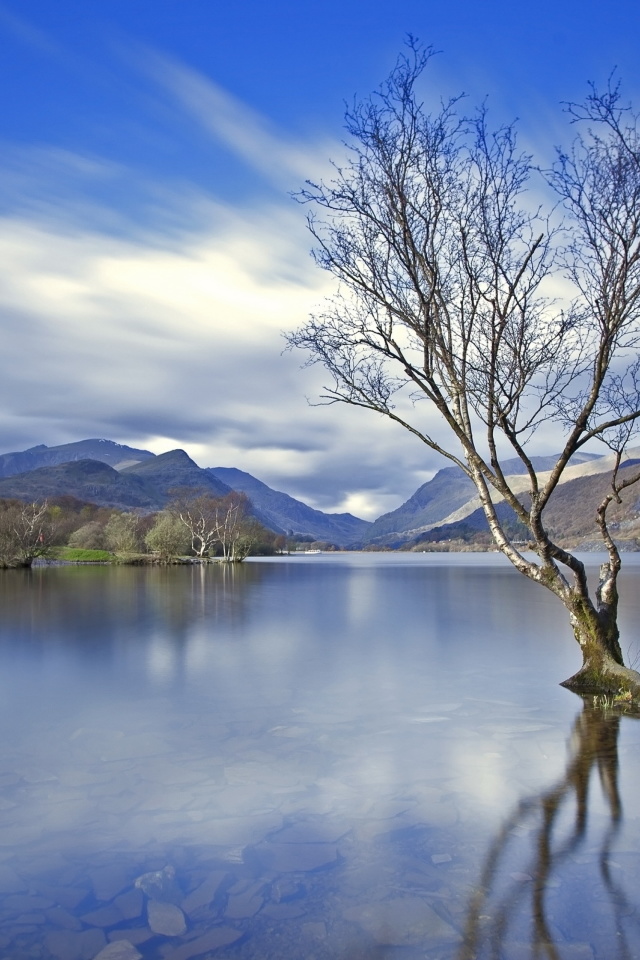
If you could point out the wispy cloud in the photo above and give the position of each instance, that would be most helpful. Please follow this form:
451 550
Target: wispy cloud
284 162
28 34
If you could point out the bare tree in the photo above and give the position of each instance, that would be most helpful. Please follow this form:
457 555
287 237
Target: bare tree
213 522
445 280
197 511
26 532
237 530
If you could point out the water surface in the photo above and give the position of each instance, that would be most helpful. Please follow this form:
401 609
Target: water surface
319 757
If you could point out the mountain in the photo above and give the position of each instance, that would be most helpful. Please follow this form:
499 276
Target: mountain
283 512
88 480
429 505
570 516
117 455
446 507
174 469
450 497
146 485
572 508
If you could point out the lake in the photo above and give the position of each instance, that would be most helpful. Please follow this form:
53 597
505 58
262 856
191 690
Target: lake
310 758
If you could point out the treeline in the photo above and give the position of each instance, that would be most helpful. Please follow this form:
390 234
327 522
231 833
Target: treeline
193 524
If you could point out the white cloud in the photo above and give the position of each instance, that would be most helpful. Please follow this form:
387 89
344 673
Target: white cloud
157 321
178 344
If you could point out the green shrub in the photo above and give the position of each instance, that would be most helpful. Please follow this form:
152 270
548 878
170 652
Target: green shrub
90 536
122 533
168 537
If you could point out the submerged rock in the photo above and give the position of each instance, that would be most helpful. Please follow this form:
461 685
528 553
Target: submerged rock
166 918
130 904
245 900
134 935
213 940
203 894
107 916
69 945
108 881
120 950
296 857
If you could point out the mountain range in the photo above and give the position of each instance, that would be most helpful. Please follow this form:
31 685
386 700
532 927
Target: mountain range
113 475
443 509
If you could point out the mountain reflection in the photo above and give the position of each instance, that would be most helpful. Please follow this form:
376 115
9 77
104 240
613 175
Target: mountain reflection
556 821
95 609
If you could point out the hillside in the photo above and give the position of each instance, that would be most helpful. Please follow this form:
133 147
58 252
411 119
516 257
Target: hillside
572 509
570 516
294 517
445 508
175 470
430 504
114 475
88 480
450 497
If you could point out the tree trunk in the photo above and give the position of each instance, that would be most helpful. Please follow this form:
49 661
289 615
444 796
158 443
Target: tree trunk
595 627
596 630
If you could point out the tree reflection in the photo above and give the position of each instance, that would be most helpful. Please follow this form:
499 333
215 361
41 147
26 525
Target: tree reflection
558 818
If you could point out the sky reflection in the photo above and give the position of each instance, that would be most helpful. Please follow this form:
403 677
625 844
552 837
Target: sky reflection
386 713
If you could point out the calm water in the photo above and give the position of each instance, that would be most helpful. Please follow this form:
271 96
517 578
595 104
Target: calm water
309 758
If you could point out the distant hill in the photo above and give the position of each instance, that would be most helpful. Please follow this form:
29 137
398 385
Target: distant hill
117 455
445 494
570 515
572 509
430 504
88 480
292 516
446 507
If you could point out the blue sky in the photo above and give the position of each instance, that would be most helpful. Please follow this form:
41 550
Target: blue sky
150 253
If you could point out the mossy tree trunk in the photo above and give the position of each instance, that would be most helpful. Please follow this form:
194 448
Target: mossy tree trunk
595 627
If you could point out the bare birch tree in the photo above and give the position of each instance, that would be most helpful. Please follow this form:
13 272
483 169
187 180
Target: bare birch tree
213 522
237 530
26 532
197 511
444 274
